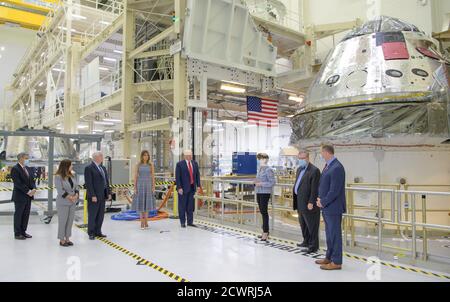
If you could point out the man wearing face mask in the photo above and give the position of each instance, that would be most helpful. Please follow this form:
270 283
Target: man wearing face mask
23 192
305 194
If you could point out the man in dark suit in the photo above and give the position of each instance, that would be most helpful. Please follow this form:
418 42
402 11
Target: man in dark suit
305 195
187 181
23 192
98 192
333 204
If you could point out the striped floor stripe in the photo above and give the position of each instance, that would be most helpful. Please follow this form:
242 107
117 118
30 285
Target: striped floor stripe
141 260
351 256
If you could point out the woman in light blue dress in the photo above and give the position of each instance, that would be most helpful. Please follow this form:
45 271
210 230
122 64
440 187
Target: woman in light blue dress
144 188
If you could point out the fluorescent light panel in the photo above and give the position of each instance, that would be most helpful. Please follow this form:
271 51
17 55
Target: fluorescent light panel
232 88
298 99
111 120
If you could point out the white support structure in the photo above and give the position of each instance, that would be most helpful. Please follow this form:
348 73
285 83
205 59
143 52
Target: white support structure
222 32
163 124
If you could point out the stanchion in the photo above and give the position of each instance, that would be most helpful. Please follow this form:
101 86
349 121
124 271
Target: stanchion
175 204
85 212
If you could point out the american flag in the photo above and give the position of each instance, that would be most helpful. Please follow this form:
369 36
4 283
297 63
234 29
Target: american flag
262 111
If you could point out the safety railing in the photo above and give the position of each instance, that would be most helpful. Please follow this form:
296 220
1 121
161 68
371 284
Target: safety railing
106 86
214 204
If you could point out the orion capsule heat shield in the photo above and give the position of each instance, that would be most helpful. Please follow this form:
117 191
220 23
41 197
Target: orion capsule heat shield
385 82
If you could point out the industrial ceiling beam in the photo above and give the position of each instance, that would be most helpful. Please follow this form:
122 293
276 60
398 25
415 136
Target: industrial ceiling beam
105 103
29 6
23 18
102 37
150 54
158 38
162 124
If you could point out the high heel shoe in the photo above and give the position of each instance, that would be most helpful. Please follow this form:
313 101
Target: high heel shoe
265 238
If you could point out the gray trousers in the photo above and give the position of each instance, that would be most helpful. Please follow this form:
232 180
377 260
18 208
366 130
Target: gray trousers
66 214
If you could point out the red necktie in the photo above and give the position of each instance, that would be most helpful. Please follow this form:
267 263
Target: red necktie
191 174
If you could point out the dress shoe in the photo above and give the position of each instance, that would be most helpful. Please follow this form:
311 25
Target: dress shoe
331 267
91 237
69 243
65 244
27 236
303 244
20 237
192 225
309 251
101 235
323 261
183 225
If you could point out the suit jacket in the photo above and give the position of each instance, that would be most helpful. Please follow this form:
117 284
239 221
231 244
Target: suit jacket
63 188
182 177
93 181
332 189
308 189
22 183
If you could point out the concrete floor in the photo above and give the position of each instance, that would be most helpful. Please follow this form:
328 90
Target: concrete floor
195 254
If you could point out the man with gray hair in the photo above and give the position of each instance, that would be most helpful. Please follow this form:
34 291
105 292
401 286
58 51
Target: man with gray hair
187 178
23 192
98 191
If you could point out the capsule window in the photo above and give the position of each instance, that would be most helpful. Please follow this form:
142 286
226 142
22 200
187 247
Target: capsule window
394 73
420 72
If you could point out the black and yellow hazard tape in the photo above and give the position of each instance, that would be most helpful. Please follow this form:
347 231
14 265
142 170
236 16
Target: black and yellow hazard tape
10 180
37 189
141 260
83 187
348 255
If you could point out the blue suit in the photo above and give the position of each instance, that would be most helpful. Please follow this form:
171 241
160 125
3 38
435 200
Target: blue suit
332 198
186 203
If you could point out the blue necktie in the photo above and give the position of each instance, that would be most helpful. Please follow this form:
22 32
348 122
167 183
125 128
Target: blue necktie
103 174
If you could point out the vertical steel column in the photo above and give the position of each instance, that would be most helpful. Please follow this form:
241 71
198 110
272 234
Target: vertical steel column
424 229
51 152
380 223
413 226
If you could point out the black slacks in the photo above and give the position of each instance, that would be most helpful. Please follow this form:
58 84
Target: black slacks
309 223
96 214
263 203
21 216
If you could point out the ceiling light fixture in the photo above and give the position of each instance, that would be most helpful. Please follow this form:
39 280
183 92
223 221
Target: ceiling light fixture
298 99
109 59
232 88
118 51
111 120
79 17
104 123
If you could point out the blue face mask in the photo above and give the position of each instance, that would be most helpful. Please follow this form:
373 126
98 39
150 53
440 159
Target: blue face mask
302 163
26 162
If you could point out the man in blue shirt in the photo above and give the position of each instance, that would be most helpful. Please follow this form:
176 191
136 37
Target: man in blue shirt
305 194
333 204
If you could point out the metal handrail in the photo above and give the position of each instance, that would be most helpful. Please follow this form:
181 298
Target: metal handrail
395 219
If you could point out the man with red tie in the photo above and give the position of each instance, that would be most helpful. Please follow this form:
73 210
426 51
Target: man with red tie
332 202
23 192
187 178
